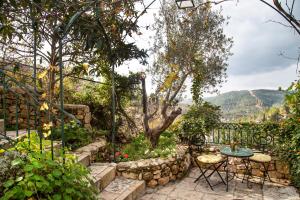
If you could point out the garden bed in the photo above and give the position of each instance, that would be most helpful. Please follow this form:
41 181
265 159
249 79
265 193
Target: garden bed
157 171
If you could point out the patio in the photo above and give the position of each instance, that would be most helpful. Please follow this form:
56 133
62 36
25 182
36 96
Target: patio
187 189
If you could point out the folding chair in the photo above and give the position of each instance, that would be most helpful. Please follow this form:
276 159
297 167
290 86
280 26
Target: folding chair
211 161
264 160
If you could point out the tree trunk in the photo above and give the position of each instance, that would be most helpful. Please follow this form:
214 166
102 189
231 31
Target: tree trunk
153 133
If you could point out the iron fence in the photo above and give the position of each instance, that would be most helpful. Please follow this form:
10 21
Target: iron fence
258 136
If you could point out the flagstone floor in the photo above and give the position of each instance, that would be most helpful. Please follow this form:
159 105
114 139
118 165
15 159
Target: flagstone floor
186 189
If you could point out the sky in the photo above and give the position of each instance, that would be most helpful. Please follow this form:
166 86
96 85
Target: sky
256 62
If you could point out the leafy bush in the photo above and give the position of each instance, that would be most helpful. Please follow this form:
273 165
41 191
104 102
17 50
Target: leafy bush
198 121
75 136
27 173
8 169
140 148
289 140
43 178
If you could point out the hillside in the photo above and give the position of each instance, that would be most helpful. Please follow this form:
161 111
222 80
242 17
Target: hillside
237 104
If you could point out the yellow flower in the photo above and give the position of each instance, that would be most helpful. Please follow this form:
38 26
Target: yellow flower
47 133
2 151
44 107
47 126
44 95
85 66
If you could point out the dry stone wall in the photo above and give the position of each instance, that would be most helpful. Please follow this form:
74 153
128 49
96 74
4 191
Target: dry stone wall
81 112
157 171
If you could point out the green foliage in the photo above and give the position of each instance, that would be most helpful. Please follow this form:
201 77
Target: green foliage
42 178
75 135
199 120
289 141
30 173
140 148
10 168
236 105
105 35
98 98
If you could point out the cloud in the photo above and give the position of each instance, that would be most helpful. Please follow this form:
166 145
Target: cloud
258 42
266 80
256 63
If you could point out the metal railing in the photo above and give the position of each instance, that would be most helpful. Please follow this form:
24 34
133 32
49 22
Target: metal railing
258 136
22 114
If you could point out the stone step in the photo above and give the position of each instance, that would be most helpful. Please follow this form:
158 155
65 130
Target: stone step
123 189
87 154
103 174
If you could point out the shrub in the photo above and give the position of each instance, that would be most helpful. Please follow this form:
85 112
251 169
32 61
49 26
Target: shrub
198 121
75 136
140 148
288 146
28 173
43 178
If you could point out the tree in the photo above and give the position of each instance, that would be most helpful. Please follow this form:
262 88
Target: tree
201 118
287 12
95 32
189 44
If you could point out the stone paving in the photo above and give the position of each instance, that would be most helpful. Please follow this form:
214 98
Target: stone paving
186 189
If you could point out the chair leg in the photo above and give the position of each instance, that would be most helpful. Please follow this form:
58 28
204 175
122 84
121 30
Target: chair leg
266 168
206 179
266 174
215 169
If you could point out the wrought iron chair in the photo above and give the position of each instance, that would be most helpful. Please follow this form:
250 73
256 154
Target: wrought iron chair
210 161
264 160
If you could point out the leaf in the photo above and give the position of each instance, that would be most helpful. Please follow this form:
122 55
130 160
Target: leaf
28 168
67 197
72 20
56 197
42 74
17 161
19 178
28 193
8 183
56 173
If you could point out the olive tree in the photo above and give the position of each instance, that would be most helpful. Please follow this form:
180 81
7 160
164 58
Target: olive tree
189 45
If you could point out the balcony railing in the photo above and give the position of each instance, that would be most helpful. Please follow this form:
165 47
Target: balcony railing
261 137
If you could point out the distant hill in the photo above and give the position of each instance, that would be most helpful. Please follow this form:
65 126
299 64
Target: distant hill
237 104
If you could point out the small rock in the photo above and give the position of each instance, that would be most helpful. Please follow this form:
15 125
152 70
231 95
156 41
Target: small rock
130 175
152 183
175 169
157 176
172 177
163 181
147 176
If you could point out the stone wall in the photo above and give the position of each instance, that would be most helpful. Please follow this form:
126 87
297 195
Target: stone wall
278 171
81 112
157 171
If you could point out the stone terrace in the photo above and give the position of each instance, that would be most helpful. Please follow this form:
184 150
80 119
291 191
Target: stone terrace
186 189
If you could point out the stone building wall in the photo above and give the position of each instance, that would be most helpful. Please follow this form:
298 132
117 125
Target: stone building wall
81 112
157 171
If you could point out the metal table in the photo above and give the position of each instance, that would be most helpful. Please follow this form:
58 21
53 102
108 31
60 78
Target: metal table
244 154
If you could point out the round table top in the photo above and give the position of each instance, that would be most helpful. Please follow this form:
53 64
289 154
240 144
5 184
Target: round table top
241 152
